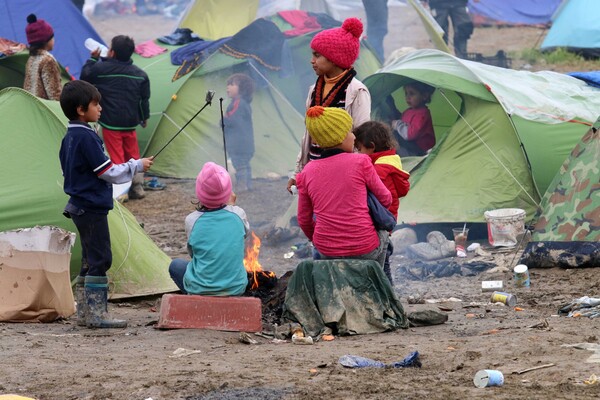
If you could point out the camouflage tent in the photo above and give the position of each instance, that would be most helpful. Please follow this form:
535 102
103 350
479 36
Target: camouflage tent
567 231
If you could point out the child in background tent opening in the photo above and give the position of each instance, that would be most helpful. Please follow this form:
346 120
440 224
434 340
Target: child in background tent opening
88 174
334 52
332 192
414 131
239 133
375 139
216 233
42 72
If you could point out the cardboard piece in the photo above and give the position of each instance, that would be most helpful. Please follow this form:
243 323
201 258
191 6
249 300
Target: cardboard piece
34 274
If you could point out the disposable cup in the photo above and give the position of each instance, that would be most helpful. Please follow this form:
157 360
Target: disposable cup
460 236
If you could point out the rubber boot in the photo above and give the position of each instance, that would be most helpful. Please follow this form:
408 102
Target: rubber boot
82 310
137 187
96 295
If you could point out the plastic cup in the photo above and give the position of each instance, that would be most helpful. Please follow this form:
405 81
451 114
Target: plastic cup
460 236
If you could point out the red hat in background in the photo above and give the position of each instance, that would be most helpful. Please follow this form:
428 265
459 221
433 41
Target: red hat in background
340 45
37 30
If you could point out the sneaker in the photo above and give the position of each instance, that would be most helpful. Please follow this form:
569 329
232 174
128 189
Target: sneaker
153 184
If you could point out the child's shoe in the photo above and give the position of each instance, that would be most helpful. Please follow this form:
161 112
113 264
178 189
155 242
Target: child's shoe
153 184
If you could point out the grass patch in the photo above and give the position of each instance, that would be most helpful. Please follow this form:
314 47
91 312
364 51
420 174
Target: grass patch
558 56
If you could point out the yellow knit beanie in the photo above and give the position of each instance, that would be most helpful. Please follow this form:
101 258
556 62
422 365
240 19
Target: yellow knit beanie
328 126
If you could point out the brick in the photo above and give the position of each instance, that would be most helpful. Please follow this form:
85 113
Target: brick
241 314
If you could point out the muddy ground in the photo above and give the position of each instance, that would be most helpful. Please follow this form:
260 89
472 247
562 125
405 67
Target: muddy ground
62 361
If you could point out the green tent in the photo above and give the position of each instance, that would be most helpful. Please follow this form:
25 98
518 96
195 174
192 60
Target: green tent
567 229
501 134
32 130
278 108
12 70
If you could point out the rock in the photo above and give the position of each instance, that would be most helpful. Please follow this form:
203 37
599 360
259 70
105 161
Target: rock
402 238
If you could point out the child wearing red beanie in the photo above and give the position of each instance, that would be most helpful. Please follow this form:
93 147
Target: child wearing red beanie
42 72
334 52
216 233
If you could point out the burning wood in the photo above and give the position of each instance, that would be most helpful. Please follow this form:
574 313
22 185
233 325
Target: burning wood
256 275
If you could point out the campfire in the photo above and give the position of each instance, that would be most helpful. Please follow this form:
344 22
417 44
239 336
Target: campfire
257 278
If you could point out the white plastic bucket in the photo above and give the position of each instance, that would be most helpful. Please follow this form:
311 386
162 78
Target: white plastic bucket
505 225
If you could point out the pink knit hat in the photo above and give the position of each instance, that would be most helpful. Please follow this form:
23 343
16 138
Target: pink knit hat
38 30
213 185
340 45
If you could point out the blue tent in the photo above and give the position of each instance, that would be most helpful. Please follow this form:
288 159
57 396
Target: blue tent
512 12
575 28
70 28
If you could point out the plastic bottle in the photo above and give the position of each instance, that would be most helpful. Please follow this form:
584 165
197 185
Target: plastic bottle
93 45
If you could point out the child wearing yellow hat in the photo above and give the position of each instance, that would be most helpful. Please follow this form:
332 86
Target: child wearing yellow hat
333 189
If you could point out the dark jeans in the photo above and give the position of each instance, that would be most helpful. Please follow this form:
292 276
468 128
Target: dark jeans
461 24
177 270
96 254
243 171
377 24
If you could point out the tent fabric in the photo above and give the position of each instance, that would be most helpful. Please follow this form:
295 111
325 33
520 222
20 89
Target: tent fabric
213 19
512 12
575 27
261 40
567 231
350 297
32 195
502 134
70 28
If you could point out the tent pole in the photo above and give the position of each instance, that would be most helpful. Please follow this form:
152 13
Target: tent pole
223 130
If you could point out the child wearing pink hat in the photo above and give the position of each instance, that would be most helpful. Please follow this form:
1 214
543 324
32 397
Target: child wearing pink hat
42 72
334 52
216 233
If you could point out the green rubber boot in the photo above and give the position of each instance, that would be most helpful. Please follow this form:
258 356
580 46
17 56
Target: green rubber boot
82 309
96 295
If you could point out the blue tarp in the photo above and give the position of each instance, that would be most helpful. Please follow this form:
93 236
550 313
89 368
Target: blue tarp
513 12
576 28
70 28
592 78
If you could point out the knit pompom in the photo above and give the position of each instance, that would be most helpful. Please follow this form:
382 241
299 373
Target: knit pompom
354 26
31 18
315 112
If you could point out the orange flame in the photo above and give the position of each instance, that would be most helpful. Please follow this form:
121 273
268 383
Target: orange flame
251 261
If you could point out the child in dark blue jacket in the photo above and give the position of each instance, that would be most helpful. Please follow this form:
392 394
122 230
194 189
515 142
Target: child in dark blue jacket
88 175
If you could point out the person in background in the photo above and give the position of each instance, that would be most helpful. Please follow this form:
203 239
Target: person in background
42 72
334 52
239 133
375 139
414 131
455 10
377 24
125 90
88 174
332 192
216 232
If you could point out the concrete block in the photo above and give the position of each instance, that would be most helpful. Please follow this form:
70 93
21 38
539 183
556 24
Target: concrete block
241 314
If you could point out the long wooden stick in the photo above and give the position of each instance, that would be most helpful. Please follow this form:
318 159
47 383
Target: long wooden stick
534 368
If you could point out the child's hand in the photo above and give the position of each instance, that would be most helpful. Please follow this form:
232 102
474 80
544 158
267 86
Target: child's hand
291 182
147 162
95 54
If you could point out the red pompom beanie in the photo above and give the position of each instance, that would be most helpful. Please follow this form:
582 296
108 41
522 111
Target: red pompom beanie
38 31
340 45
